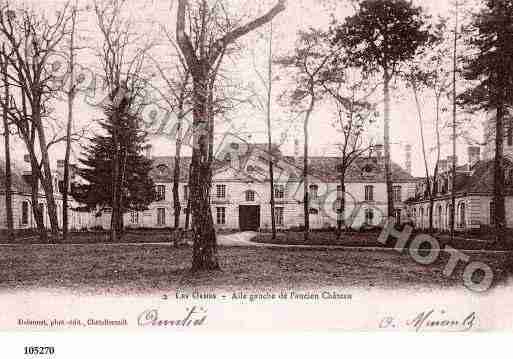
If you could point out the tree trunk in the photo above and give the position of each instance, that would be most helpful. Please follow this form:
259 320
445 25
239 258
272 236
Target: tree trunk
454 112
46 178
342 210
8 176
429 183
188 211
498 190
71 98
176 170
205 242
66 179
114 219
306 199
269 136
34 197
386 125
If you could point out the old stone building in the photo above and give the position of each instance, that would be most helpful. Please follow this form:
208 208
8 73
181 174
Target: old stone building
474 196
22 202
240 195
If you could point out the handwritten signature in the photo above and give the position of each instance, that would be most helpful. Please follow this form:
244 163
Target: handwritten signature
437 320
195 316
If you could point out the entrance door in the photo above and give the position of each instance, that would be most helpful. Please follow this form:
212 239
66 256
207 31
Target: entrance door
249 218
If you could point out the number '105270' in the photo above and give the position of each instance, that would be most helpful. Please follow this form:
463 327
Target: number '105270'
39 350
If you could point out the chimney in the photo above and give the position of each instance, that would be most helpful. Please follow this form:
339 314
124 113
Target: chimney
296 150
148 150
234 155
450 161
443 166
408 159
379 151
474 155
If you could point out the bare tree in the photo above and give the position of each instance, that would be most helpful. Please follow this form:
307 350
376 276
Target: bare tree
31 38
70 94
8 174
203 49
351 92
177 96
311 58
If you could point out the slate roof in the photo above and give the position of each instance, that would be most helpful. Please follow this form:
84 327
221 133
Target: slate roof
481 178
18 183
324 168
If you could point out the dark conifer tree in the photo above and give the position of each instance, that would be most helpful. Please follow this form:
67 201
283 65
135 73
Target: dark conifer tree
491 69
135 188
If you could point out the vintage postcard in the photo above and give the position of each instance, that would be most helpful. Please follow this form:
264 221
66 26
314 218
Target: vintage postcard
207 165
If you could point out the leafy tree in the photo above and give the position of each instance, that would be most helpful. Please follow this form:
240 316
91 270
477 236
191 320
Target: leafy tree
430 74
136 187
310 60
351 91
380 37
491 69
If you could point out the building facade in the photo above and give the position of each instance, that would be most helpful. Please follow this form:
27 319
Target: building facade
474 185
23 217
240 193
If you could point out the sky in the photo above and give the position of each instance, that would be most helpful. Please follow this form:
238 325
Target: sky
249 123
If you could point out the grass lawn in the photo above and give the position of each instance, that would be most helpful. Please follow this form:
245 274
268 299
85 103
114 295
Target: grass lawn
131 269
370 239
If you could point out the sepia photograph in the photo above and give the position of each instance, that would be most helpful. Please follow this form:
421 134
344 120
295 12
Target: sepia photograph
203 165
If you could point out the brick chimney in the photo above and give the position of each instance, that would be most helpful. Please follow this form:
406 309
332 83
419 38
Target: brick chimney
407 163
235 155
296 150
443 166
450 159
474 155
378 149
148 151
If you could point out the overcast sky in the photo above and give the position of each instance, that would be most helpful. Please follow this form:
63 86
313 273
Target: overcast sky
300 14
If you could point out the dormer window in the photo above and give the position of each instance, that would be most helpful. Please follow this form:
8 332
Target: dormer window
162 169
314 191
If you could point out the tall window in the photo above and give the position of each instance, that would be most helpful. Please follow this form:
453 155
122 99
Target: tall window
369 216
397 215
221 215
492 213
339 191
462 215
42 210
250 196
278 214
314 191
161 216
279 191
134 217
369 193
221 191
186 193
24 213
397 193
161 192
